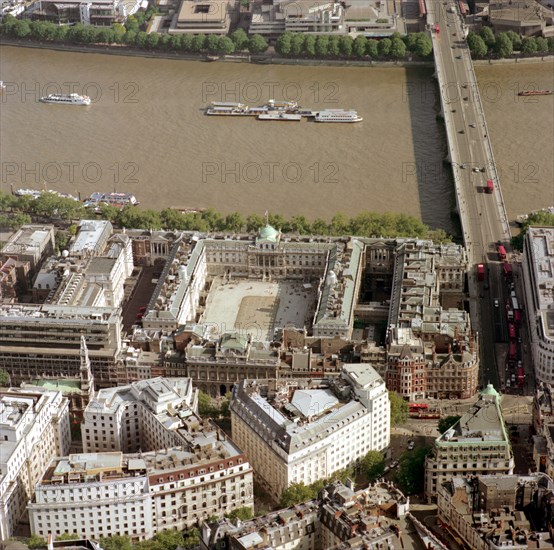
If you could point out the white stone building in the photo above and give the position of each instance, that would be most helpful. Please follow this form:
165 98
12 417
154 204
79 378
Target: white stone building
100 494
34 428
538 280
145 416
303 431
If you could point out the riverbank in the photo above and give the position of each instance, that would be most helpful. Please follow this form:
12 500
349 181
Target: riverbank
266 59
512 61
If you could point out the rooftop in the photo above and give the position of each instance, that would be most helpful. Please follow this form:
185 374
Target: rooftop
540 249
482 423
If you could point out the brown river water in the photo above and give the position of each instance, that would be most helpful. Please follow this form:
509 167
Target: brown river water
146 133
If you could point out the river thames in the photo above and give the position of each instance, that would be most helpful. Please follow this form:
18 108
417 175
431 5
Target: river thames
146 133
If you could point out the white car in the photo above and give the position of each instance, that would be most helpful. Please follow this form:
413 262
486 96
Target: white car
394 465
476 170
411 446
496 303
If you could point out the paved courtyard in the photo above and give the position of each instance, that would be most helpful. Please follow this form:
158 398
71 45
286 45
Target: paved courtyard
259 308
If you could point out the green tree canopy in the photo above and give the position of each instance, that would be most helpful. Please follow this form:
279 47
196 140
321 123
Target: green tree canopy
295 494
240 40
411 471
476 45
398 409
283 45
116 542
488 36
244 513
447 422
384 47
503 46
373 463
360 46
297 44
309 45
257 44
225 45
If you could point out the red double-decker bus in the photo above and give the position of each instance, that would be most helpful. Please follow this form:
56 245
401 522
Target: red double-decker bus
416 407
520 377
512 331
507 269
490 187
512 352
480 272
501 252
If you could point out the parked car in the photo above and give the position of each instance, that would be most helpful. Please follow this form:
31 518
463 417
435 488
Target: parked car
394 465
411 445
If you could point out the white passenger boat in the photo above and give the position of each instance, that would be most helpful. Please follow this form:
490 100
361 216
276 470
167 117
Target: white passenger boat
280 115
113 199
337 115
66 99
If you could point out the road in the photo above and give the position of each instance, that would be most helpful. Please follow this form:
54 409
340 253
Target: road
483 215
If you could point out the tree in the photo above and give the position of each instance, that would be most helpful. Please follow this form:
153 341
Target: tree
240 40
515 39
225 45
542 44
153 40
550 44
322 45
503 46
257 44
106 36
528 45
373 463
36 542
371 48
141 40
398 409
4 378
384 47
244 513
447 422
411 471
309 45
211 43
423 45
295 494
297 44
186 43
116 542
346 44
234 222
398 48
488 36
284 43
333 48
360 46
476 45
197 43
299 224
254 222
22 28
165 42
131 24
191 538
206 405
